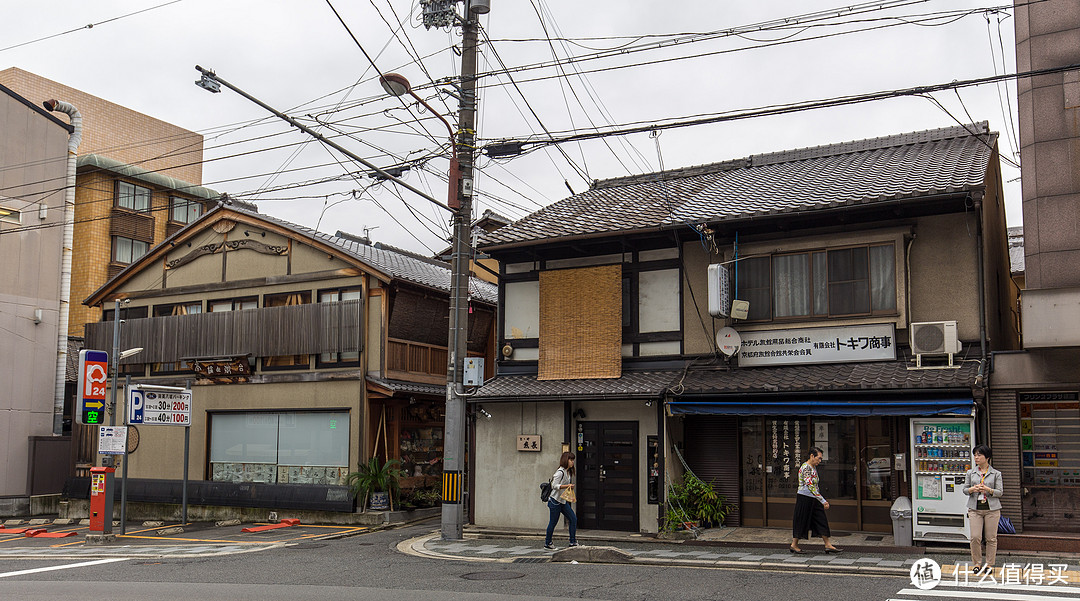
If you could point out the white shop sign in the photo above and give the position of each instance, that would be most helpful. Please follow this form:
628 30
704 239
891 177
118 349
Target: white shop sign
876 342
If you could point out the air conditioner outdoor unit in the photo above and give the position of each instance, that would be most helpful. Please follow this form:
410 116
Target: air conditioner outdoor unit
934 338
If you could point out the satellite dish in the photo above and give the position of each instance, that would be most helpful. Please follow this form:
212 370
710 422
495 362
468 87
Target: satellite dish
728 340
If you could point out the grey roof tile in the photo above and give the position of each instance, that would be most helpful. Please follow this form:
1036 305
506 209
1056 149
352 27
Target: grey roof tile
852 173
838 377
650 384
879 376
409 387
394 262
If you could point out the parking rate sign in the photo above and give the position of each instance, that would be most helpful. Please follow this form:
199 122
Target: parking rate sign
159 407
90 389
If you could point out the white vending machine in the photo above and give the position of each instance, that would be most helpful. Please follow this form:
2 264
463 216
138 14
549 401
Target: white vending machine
940 458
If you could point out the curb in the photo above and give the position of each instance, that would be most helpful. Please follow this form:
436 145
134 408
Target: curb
416 547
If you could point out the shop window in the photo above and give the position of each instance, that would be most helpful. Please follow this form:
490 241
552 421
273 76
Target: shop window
126 250
1050 439
837 471
287 299
339 359
183 210
859 280
878 459
285 448
132 197
785 441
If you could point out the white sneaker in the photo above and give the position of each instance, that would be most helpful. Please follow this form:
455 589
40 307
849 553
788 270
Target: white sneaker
551 547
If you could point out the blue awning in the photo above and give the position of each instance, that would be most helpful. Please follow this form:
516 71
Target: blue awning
954 407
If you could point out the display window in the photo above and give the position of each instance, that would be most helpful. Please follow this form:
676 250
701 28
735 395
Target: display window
280 447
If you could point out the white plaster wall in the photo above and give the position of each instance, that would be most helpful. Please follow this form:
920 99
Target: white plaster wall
507 480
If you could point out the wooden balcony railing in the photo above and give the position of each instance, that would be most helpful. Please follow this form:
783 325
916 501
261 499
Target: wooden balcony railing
415 361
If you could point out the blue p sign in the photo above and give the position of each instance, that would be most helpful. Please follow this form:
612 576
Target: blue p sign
136 402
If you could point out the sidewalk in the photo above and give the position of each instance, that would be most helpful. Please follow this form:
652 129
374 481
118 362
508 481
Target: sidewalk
741 548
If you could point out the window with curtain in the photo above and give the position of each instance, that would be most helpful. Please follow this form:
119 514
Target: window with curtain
183 210
841 282
232 304
126 250
130 196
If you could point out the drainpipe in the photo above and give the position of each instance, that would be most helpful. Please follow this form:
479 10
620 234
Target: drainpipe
65 265
980 378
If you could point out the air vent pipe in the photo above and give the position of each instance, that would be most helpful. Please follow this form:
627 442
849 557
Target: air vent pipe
65 262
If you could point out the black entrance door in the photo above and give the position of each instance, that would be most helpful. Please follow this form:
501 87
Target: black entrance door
607 466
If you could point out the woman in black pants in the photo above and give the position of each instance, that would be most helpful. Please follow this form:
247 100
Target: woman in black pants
810 507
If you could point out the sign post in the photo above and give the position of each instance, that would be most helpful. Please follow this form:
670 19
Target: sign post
149 405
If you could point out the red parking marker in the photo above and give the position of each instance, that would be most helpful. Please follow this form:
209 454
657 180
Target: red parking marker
282 524
41 533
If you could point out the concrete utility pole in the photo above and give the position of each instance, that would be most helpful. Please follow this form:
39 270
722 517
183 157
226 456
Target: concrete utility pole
453 509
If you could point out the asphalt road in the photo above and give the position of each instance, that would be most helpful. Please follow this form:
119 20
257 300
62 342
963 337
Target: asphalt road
368 566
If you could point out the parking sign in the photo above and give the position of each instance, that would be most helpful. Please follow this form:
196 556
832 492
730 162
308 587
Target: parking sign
158 405
90 387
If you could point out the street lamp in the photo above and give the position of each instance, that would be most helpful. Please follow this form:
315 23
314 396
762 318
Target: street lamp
397 85
460 201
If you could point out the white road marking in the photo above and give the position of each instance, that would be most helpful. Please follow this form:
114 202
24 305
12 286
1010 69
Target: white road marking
81 564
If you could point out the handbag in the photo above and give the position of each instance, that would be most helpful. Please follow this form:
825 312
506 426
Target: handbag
569 495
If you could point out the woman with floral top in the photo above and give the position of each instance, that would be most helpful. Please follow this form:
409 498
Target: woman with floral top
810 507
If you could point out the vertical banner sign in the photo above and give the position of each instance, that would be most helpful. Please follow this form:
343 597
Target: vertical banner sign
90 388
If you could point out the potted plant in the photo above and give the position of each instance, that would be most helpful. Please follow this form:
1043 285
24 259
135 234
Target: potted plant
375 479
692 501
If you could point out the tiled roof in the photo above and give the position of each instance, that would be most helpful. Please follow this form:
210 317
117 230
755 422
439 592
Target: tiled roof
394 262
641 384
837 377
852 173
74 345
409 387
891 376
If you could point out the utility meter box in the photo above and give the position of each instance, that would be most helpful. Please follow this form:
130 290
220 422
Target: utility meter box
474 371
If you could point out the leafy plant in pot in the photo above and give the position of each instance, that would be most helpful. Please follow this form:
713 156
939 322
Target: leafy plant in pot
694 500
375 479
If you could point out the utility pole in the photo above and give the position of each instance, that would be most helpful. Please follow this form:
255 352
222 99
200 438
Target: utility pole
453 509
436 13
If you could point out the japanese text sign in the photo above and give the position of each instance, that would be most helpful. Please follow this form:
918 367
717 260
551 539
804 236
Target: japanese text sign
875 342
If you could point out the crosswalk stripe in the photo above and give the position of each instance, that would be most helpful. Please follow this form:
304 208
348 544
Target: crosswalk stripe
989 586
81 564
963 594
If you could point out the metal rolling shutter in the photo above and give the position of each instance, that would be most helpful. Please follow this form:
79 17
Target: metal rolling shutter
712 451
1005 442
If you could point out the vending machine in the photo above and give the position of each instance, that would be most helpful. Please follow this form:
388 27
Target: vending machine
940 458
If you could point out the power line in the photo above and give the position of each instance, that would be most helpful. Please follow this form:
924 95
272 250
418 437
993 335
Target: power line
89 26
779 109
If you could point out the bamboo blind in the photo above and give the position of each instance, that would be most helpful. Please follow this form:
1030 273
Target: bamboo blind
581 323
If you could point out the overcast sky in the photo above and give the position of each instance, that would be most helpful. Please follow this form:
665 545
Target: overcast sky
296 56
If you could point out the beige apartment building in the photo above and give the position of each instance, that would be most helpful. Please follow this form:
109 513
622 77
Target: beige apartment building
138 182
